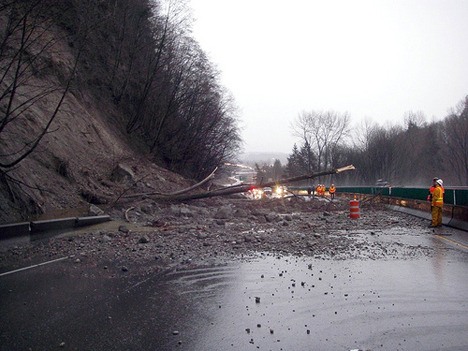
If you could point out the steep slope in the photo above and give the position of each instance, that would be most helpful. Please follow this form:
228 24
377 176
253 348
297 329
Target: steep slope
79 79
72 166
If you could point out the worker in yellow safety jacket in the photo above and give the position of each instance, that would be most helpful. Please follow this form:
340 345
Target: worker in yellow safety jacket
431 189
437 204
332 190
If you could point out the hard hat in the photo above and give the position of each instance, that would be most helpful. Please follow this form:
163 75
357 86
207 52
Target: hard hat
435 178
440 182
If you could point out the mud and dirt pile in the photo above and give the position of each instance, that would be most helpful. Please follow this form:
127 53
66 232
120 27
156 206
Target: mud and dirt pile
151 236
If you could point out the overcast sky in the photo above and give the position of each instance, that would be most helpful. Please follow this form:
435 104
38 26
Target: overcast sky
375 59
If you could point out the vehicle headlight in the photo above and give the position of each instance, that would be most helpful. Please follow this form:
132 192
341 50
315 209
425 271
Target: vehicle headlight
279 190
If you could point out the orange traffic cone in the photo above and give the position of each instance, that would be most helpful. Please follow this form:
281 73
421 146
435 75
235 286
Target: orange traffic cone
354 209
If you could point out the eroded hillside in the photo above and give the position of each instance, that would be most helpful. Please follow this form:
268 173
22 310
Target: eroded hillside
85 88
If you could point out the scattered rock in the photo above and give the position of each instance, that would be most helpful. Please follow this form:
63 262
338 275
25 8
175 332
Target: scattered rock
224 212
122 173
95 211
181 211
186 212
272 217
202 235
240 213
123 229
147 208
143 240
178 239
248 238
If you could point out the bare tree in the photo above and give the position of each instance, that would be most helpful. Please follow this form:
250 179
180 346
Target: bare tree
141 55
26 45
409 155
420 156
415 119
322 131
362 144
455 139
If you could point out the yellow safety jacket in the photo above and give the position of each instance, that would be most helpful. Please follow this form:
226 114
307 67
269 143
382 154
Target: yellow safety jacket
332 189
438 197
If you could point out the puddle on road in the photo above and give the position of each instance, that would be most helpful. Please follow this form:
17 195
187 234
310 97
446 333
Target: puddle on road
288 303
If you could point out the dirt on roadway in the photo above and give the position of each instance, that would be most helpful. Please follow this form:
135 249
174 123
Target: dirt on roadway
159 237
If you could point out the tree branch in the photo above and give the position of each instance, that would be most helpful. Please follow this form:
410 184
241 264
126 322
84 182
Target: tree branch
236 189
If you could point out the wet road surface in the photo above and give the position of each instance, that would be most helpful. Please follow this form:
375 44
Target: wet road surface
267 302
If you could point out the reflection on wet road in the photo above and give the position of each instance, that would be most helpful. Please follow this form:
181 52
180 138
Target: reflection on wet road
266 302
284 303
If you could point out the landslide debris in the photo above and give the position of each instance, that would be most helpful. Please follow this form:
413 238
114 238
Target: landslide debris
161 236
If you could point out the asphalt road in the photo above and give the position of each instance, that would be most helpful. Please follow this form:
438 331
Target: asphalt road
266 302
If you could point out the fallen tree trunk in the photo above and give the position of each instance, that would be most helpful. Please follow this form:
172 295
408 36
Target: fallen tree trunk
179 192
236 189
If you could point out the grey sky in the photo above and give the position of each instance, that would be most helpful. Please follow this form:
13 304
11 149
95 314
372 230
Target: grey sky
375 59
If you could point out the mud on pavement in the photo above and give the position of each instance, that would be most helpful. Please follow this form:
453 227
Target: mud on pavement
159 236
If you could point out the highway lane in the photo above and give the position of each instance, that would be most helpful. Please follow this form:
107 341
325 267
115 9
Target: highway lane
268 302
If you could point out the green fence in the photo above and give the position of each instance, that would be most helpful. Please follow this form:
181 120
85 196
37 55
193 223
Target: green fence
458 197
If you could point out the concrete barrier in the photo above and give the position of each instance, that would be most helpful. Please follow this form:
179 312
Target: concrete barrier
451 222
8 231
52 224
84 221
456 223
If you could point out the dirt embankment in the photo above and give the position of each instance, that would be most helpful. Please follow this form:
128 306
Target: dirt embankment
73 165
205 232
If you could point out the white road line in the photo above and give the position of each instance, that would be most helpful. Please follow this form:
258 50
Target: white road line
34 266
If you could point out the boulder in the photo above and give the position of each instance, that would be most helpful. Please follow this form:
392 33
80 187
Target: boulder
224 212
122 173
95 211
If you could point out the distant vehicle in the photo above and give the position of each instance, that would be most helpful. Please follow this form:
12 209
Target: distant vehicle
267 192
381 182
255 193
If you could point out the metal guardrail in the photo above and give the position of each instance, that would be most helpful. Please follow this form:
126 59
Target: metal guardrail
455 199
450 211
452 196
